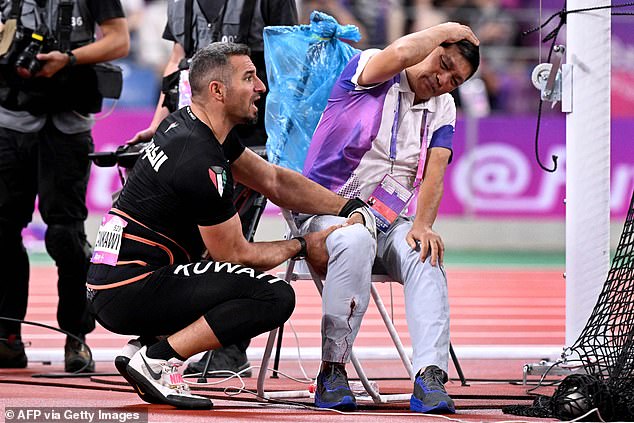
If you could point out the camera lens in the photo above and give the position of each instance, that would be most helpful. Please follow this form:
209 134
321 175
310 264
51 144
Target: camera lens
27 64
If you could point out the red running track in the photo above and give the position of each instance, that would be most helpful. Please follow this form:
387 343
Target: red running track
488 308
520 308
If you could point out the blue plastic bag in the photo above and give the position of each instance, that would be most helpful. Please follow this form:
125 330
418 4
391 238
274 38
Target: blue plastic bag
302 64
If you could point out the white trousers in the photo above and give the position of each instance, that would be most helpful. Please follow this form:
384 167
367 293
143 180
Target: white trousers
346 291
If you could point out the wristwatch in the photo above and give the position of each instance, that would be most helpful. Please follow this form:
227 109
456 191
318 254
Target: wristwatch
303 250
72 58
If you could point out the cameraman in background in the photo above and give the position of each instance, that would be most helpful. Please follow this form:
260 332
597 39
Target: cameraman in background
49 87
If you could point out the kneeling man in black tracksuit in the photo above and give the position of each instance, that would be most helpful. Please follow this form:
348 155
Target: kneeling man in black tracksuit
146 278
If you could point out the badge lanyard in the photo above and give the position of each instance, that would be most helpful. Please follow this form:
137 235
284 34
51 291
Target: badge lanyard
423 144
390 198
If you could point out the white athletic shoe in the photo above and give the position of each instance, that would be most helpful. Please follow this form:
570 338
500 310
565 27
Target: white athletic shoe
121 362
161 380
130 348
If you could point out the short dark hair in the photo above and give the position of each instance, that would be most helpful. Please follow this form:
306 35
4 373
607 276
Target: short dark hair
211 64
469 51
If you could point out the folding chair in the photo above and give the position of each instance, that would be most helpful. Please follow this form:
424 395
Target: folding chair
378 275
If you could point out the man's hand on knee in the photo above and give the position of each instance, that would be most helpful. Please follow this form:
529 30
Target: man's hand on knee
428 243
317 255
357 211
355 218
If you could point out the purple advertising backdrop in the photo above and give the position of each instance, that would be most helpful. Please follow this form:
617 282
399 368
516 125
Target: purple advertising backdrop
622 82
497 177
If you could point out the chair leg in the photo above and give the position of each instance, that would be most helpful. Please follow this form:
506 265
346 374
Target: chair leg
265 363
392 331
376 397
278 350
280 331
456 363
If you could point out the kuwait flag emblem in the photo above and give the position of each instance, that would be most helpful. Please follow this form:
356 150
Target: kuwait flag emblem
218 177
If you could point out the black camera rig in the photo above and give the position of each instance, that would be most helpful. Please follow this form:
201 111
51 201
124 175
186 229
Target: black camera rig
24 44
79 88
124 156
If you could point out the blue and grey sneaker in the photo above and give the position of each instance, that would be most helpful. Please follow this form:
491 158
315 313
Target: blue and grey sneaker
429 394
333 390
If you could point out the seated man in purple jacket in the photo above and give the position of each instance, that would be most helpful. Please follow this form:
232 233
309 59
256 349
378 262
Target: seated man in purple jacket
385 137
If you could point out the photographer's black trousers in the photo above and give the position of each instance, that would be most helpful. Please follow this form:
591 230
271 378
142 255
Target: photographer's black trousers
54 166
237 302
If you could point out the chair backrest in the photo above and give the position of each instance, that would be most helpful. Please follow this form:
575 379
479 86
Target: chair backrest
249 203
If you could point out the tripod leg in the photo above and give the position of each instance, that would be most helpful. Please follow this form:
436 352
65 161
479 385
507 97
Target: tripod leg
203 376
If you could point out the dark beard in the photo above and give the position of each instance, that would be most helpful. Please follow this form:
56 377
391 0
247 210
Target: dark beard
252 121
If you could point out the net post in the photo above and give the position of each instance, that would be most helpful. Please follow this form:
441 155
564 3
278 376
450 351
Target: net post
587 162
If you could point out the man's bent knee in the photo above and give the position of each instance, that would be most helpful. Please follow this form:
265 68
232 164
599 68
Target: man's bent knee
354 240
284 302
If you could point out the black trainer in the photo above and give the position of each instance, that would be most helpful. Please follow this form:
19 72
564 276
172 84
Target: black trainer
224 363
429 394
333 390
77 358
12 355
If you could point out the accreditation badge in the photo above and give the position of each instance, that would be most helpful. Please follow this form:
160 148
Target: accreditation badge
108 244
388 201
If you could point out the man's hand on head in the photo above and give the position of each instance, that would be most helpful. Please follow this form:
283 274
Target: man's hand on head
454 32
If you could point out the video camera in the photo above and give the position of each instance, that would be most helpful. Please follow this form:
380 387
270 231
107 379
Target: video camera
20 45
26 63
